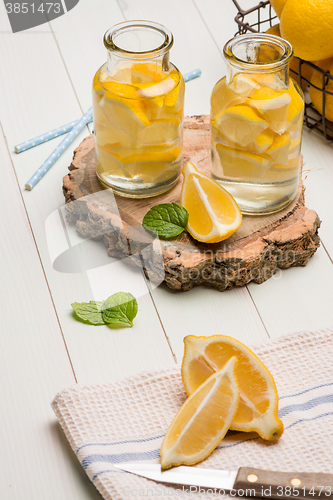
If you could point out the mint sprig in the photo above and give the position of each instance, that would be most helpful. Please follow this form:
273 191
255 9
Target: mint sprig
167 220
118 310
89 312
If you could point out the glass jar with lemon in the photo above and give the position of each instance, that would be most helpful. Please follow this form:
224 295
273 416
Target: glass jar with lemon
138 102
256 124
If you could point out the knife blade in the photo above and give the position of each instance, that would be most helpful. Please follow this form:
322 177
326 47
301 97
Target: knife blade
247 481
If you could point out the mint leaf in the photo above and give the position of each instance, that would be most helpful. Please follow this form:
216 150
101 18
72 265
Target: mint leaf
167 220
89 312
120 309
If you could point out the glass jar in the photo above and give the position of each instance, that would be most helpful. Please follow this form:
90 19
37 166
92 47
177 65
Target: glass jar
256 124
138 107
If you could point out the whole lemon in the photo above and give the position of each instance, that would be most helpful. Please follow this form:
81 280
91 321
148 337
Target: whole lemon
316 95
274 30
308 26
278 6
306 70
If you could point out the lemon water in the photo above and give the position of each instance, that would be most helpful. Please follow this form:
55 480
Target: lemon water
138 119
256 140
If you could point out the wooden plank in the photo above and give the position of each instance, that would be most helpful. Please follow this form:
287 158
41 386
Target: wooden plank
46 100
35 461
208 312
297 299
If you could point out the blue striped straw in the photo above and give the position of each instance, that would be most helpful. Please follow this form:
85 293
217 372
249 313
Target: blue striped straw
40 139
191 75
57 132
86 118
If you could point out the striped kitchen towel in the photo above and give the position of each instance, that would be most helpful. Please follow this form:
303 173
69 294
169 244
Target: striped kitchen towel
125 421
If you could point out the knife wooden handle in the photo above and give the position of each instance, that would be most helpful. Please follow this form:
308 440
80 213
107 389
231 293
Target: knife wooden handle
284 485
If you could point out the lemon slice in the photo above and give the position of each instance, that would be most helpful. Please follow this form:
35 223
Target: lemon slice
258 408
263 141
159 132
296 106
108 135
154 156
273 105
279 150
237 163
124 113
243 85
149 166
240 124
109 163
157 89
295 143
171 98
147 72
203 420
223 97
213 213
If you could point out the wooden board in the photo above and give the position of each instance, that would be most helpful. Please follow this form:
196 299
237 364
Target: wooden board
261 245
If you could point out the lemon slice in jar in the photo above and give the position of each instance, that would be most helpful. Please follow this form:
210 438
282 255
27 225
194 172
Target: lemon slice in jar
223 98
241 124
296 105
244 85
273 105
279 150
263 141
242 164
160 131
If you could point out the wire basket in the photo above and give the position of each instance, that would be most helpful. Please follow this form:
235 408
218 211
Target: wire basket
258 19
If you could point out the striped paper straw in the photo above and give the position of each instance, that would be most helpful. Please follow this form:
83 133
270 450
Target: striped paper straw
86 118
57 132
40 139
191 75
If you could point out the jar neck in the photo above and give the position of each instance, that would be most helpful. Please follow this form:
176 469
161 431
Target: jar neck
121 68
258 54
139 45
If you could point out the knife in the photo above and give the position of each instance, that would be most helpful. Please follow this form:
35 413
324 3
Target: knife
245 482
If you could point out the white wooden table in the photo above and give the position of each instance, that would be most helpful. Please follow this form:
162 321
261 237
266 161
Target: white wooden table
46 76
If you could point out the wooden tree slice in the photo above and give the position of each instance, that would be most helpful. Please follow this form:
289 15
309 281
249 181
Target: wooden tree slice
254 253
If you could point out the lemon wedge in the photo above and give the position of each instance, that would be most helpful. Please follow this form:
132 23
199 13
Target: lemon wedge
108 135
157 89
243 85
152 156
240 124
213 213
273 105
109 163
263 141
237 163
279 150
258 407
203 420
296 106
223 97
150 165
159 132
124 113
171 98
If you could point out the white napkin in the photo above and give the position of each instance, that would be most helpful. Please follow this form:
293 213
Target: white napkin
125 421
